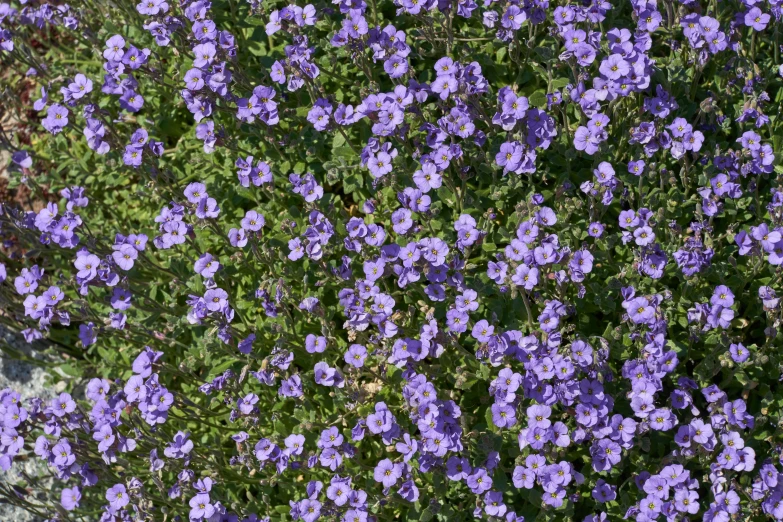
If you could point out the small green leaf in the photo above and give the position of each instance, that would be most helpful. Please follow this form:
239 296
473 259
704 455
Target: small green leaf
537 99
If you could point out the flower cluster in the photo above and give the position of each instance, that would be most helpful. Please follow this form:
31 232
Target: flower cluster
413 259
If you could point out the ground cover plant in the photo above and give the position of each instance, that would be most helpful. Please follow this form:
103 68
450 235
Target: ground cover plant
395 260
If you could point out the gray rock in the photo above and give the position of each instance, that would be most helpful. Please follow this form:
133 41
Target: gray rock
30 381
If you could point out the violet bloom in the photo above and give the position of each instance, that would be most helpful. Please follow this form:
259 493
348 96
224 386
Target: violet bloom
195 192
538 416
180 447
309 510
586 141
387 473
56 119
722 296
739 353
315 344
636 167
356 355
253 221
479 481
70 497
457 321
319 115
204 54
247 403
131 101
26 283
34 306
493 504
503 415
380 422
513 18
756 19
63 405
661 419
206 266
482 331
200 507
237 237
380 164
118 497
396 66
639 310
125 256
105 437
644 236
525 277
216 299
523 477
686 501
614 67
80 87
115 48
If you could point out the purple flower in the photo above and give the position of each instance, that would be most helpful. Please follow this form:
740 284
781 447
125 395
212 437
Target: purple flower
80 87
739 353
513 18
757 20
70 497
309 510
503 415
105 437
457 321
206 266
538 416
319 116
152 7
686 501
115 48
380 421
639 310
356 355
180 447
237 237
118 497
63 405
482 331
253 221
200 506
722 296
644 236
204 54
479 481
56 119
523 477
387 473
380 164
525 277
614 67
125 255
493 504
216 299
396 66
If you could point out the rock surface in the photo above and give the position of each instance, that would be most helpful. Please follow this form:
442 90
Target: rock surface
30 381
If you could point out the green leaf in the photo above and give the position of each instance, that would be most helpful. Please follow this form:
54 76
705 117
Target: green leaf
338 141
352 183
538 99
71 369
217 370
